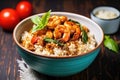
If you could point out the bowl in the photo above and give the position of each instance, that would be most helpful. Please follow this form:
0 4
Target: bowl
107 17
58 66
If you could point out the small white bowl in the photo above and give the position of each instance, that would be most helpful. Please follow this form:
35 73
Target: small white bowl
109 26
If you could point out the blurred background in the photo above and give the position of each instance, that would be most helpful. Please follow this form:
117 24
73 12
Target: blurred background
83 7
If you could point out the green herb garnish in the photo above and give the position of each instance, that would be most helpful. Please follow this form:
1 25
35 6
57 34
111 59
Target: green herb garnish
84 36
111 44
40 23
54 41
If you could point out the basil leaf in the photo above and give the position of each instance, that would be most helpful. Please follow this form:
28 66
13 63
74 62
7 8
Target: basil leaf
50 40
54 41
35 28
45 18
40 23
111 44
36 19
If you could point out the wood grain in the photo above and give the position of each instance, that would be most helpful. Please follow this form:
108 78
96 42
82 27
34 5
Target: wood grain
105 67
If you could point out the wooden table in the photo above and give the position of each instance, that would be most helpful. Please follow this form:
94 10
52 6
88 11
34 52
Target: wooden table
105 67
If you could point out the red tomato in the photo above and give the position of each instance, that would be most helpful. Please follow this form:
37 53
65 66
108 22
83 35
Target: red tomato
24 9
8 19
34 39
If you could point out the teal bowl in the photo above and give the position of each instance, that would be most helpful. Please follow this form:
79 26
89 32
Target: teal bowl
59 66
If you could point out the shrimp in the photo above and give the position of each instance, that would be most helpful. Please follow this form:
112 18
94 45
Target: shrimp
63 18
70 25
62 32
57 34
53 22
77 32
74 29
49 34
56 20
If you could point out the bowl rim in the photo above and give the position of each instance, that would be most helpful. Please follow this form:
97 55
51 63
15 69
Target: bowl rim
92 13
57 57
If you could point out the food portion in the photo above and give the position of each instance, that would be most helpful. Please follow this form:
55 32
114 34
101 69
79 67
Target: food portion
8 19
106 14
24 9
57 35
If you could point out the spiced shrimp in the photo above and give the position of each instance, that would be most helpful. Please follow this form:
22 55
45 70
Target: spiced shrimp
74 29
62 33
55 20
49 34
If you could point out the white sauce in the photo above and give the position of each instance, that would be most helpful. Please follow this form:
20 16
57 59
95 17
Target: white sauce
105 14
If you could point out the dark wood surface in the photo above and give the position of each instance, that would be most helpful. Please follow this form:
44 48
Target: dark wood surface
105 67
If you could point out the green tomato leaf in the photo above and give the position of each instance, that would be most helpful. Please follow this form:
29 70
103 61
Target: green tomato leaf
40 22
111 44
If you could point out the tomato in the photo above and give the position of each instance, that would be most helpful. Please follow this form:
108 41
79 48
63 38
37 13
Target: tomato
8 19
24 9
34 39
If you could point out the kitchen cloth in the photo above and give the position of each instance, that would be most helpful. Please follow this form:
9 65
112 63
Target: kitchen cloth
26 73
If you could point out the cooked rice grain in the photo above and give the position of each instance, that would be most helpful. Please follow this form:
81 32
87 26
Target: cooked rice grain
71 48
